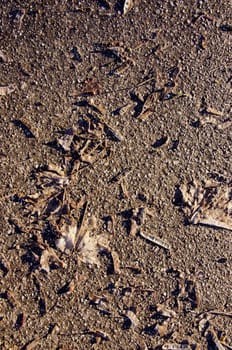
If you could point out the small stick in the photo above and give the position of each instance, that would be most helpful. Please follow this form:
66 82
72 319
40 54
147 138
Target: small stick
220 313
156 240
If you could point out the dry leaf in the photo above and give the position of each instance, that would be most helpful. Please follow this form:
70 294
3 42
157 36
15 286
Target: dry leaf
66 140
162 329
89 248
47 256
133 318
54 176
84 240
6 90
128 4
162 310
208 204
68 238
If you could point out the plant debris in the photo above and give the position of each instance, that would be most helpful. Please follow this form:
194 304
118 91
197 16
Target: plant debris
209 203
128 4
213 116
99 335
133 318
155 240
7 90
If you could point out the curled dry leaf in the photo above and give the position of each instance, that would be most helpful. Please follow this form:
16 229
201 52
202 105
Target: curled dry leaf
208 204
128 4
89 247
49 202
6 90
133 318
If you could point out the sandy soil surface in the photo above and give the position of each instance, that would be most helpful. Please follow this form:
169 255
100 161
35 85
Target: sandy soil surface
146 97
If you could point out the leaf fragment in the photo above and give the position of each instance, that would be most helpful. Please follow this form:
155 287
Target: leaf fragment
133 318
98 333
128 4
47 256
116 261
66 140
6 90
68 237
208 203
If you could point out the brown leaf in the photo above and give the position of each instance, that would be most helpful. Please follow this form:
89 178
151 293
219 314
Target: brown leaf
208 204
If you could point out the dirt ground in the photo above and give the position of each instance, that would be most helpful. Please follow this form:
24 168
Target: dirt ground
154 72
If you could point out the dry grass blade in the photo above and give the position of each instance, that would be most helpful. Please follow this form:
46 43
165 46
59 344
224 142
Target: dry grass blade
220 313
